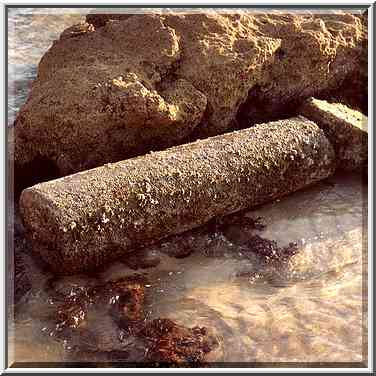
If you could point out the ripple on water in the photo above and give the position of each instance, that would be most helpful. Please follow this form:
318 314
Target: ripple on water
307 309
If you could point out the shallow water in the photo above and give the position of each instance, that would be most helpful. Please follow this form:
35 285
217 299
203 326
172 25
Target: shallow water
307 309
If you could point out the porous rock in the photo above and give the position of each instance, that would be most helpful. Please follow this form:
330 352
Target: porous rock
100 19
347 130
83 220
119 86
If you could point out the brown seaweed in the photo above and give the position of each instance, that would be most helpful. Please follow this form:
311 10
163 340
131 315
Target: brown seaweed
109 321
168 342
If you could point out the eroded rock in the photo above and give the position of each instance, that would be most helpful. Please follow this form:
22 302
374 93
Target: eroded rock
179 246
100 19
347 130
77 30
85 220
122 85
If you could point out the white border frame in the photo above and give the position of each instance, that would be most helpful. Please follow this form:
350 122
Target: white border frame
144 3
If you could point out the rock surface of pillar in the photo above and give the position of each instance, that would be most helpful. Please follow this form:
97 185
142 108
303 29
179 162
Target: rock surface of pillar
84 220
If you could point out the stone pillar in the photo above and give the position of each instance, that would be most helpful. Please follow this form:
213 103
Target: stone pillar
81 221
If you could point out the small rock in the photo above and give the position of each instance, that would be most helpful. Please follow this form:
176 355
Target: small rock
180 246
239 228
269 249
346 129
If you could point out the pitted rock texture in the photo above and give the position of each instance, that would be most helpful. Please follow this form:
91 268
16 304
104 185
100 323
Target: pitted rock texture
110 89
347 130
84 220
100 19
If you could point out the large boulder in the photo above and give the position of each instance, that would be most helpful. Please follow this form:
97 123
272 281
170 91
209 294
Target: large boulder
116 88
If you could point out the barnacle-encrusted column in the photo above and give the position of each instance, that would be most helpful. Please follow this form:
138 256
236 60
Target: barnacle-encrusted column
84 220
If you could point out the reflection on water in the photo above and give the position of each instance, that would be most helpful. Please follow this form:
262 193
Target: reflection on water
307 309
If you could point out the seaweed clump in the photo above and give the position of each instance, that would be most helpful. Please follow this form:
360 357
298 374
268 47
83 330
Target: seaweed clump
227 236
241 230
168 342
269 249
108 322
22 284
